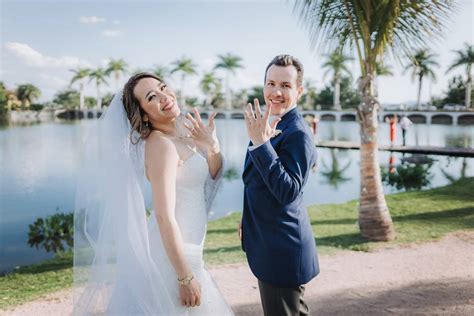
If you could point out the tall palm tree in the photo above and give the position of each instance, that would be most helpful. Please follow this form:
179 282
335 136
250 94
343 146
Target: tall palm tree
80 75
117 67
26 93
336 62
421 64
465 58
99 76
229 63
310 95
210 86
186 67
161 71
372 27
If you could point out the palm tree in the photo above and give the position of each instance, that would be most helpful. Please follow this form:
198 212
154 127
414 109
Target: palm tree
336 62
117 67
465 58
99 76
186 67
381 69
26 93
421 64
372 27
229 63
80 75
310 95
210 86
161 71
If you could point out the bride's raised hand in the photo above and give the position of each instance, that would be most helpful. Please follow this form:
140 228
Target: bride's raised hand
204 136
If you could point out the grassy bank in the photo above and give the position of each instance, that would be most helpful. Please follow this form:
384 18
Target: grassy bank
418 216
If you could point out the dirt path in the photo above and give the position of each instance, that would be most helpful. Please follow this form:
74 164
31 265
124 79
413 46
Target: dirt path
435 278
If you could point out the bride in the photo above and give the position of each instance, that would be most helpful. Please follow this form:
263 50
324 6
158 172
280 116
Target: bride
128 262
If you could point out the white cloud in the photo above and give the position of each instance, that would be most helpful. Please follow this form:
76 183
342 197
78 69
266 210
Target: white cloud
116 22
111 33
53 81
34 58
91 19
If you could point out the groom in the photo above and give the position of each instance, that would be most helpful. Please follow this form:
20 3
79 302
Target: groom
275 230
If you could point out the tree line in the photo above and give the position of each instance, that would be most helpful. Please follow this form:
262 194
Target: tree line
338 94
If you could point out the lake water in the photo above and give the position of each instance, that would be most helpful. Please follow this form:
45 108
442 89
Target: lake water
38 166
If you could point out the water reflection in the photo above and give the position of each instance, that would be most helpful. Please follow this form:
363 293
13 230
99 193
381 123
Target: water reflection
38 170
451 177
413 173
231 173
334 175
458 141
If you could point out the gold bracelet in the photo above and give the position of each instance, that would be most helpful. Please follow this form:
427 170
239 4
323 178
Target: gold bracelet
186 280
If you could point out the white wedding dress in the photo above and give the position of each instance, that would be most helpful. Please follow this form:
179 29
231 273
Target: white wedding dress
120 264
193 187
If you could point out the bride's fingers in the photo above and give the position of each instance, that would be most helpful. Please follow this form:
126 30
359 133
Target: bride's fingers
192 120
193 300
191 130
211 120
198 118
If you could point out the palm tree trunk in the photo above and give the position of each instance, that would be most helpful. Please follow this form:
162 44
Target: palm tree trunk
420 81
81 96
468 92
99 99
228 103
374 218
117 77
308 102
337 94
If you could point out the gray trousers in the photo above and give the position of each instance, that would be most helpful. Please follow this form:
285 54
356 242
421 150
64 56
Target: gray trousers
282 301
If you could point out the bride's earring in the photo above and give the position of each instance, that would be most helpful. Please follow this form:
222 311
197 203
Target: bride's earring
145 120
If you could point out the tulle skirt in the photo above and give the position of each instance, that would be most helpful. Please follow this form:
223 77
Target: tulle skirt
212 301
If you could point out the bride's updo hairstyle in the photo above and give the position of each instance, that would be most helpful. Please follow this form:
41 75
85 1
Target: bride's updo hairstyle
132 106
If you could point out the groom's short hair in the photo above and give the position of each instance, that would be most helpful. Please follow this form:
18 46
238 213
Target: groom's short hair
287 60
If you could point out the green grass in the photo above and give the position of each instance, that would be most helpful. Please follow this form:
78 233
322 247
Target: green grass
418 217
31 282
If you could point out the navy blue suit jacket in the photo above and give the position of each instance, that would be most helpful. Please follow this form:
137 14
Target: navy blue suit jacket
276 231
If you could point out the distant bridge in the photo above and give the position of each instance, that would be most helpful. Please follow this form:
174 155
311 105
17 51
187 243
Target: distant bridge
417 117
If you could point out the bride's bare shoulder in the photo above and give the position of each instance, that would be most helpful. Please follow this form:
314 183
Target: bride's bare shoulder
159 143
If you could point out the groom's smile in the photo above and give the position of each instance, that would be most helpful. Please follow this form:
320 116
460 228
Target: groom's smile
281 89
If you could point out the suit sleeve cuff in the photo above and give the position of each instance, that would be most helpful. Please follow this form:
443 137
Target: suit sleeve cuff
263 155
253 147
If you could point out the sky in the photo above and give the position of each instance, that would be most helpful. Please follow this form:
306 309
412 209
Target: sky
41 41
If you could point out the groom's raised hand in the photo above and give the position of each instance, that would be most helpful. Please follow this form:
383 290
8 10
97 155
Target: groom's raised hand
258 127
